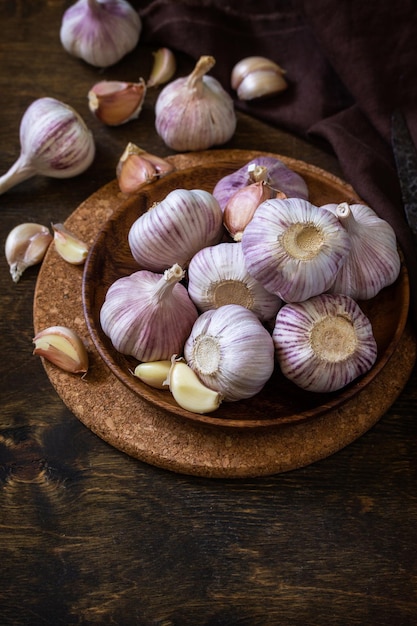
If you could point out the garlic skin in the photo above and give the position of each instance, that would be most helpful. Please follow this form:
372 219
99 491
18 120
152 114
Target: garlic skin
188 390
231 352
137 168
241 207
217 275
271 170
116 102
26 245
101 32
69 246
324 343
257 77
294 249
62 347
175 229
153 373
373 261
54 142
147 315
164 67
195 112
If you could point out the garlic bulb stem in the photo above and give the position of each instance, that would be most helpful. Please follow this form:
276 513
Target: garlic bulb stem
202 67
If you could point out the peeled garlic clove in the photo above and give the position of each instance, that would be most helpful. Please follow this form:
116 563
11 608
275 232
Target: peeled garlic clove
26 245
231 352
116 102
294 249
373 261
217 275
164 67
62 347
324 343
188 390
257 77
137 168
241 207
69 246
153 373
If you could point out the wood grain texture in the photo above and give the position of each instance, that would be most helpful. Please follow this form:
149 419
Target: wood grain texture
89 535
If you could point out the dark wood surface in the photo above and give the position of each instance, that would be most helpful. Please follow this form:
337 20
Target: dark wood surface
89 535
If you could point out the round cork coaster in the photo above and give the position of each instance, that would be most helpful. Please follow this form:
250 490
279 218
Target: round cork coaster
163 439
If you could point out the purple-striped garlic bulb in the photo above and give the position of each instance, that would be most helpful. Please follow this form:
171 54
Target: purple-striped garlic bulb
147 315
231 352
324 343
294 248
373 261
217 275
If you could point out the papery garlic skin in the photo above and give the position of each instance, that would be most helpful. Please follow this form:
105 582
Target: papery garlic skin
63 347
116 102
195 112
175 229
373 261
188 390
324 343
217 275
101 32
163 69
294 249
72 249
55 142
231 352
257 77
137 168
26 245
147 315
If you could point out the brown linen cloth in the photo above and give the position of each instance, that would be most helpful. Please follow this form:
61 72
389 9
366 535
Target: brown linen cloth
349 63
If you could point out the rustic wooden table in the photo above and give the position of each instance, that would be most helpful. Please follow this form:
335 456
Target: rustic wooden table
90 535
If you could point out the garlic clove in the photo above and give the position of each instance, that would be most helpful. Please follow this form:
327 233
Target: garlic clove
116 102
241 207
153 373
164 67
26 245
137 168
62 347
257 77
69 246
188 390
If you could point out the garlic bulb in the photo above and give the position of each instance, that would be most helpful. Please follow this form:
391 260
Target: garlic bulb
26 245
195 112
294 249
137 168
163 69
217 275
148 316
116 102
101 32
324 343
231 352
257 77
373 261
271 170
62 347
54 142
175 229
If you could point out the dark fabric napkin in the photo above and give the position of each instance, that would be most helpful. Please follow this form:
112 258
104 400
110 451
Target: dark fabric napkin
349 64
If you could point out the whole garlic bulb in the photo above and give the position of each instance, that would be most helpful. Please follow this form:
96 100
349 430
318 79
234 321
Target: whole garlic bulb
195 112
324 343
231 352
101 32
217 275
294 248
148 316
175 229
373 261
257 77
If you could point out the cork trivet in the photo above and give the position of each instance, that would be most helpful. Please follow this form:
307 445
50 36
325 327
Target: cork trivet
158 437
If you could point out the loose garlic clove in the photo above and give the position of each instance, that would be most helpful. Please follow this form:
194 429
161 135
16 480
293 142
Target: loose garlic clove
69 246
153 373
241 207
115 102
137 168
257 77
164 67
26 245
62 347
188 390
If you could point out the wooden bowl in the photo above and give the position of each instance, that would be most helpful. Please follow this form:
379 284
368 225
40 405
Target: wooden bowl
280 402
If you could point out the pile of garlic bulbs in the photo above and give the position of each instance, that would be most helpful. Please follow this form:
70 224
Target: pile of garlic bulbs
285 294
